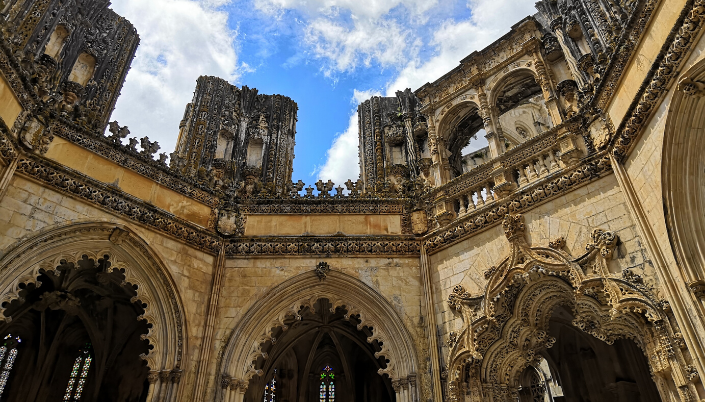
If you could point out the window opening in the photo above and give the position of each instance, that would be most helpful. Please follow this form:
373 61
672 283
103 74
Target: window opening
79 374
270 390
7 359
327 388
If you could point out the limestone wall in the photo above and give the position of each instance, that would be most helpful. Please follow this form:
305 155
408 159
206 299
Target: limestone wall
28 208
598 205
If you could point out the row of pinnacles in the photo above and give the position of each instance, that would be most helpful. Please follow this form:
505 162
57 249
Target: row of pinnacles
523 93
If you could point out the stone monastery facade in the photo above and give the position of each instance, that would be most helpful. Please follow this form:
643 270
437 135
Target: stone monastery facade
563 262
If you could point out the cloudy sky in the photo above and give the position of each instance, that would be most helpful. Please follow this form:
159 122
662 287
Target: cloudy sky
327 55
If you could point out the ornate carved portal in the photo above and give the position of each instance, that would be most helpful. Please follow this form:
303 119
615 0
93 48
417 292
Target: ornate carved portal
540 297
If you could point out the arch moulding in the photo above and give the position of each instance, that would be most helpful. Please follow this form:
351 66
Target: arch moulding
155 288
288 299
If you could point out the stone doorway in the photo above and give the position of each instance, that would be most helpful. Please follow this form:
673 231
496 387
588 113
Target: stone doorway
582 368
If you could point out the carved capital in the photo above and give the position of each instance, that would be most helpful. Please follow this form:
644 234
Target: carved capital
698 288
604 241
396 385
691 87
153 377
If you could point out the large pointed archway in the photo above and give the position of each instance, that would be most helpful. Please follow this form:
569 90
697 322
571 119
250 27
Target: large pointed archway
354 311
95 314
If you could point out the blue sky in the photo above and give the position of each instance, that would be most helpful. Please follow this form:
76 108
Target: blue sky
327 55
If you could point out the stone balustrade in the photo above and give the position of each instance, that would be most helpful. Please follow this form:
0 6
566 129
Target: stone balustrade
517 169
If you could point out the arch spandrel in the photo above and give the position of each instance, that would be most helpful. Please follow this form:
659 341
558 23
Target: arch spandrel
288 299
156 289
506 327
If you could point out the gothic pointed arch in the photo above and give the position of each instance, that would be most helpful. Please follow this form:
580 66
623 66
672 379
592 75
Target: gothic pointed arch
508 328
116 249
683 176
270 318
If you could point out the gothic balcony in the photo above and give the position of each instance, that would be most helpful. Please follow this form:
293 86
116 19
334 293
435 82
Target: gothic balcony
527 175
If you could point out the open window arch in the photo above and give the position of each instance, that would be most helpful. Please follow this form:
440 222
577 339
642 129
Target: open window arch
463 132
519 101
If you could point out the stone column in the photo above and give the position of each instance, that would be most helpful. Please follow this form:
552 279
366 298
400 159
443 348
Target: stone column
547 88
412 388
207 342
557 27
436 394
397 390
175 377
225 386
404 382
163 386
153 378
6 177
490 123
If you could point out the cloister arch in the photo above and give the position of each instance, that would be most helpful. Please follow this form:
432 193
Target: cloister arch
458 126
142 268
258 329
507 327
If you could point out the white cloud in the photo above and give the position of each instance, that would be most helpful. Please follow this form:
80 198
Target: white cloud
372 9
342 158
180 41
455 40
361 96
382 41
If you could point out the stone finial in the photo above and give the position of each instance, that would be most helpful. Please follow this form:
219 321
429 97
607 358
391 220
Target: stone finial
133 144
604 241
117 132
149 148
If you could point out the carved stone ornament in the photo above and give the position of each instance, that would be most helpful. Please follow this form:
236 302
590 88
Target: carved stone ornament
419 222
691 87
507 326
322 270
231 222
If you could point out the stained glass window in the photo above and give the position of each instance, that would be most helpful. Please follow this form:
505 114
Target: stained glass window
327 388
7 359
270 390
79 375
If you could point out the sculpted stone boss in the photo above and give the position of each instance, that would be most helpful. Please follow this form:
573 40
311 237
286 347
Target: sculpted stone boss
562 262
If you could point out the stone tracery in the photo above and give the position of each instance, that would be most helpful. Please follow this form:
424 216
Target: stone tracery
114 252
506 327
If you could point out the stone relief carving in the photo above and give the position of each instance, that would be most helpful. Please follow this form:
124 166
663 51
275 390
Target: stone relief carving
606 306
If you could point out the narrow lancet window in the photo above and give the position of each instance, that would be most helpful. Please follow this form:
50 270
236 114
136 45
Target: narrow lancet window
8 355
327 388
79 375
270 390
